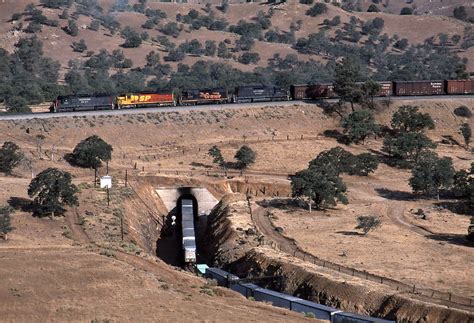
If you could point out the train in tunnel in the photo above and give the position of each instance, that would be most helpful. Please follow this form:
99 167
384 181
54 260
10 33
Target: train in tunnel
188 232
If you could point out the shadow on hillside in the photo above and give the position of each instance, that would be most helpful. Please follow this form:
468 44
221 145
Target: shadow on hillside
458 207
456 239
336 134
196 164
21 203
350 233
281 203
395 194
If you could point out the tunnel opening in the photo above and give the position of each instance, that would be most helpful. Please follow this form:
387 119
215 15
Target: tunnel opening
169 246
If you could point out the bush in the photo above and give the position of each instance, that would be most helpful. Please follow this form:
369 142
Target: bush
72 28
245 156
79 46
373 8
368 223
318 9
249 58
132 38
406 11
308 2
463 111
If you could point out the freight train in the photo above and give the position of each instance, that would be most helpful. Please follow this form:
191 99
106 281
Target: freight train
187 232
250 94
318 311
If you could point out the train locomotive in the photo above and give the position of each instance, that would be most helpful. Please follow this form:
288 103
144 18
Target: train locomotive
252 93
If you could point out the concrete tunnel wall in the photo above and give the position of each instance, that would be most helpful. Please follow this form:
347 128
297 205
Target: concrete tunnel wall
170 196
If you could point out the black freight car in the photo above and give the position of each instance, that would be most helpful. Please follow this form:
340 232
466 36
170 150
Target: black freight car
82 103
408 88
203 96
260 94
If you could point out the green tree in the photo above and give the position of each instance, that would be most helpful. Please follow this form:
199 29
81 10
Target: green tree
79 46
406 11
322 186
72 28
466 133
216 154
407 146
152 59
368 223
64 14
17 104
10 157
370 90
132 38
359 125
90 152
210 48
52 189
222 50
408 119
318 9
5 221
373 8
245 156
460 13
345 86
364 164
431 173
336 158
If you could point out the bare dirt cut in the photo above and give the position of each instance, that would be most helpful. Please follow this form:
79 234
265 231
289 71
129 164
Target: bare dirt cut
58 44
285 139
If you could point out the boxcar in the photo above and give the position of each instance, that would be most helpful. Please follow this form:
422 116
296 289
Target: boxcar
460 86
222 277
276 298
343 317
408 88
245 289
321 312
82 103
203 96
321 91
260 94
137 100
298 91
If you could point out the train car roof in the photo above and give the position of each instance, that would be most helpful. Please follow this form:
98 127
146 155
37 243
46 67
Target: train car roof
316 305
362 317
276 294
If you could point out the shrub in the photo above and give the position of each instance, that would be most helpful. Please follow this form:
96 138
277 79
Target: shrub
249 58
406 11
318 9
463 111
10 157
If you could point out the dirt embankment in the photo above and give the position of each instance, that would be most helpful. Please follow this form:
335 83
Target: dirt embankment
237 246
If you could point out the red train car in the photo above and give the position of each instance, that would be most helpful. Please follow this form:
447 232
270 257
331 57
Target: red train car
136 100
460 86
408 88
326 90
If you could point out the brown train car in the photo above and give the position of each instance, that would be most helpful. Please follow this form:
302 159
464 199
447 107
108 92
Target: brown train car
460 86
299 91
408 88
320 91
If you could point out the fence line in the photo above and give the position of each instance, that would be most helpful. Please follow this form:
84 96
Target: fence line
450 298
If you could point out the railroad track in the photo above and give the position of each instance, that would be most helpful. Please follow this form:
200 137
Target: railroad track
209 107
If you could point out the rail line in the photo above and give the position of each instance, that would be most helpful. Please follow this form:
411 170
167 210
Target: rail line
209 107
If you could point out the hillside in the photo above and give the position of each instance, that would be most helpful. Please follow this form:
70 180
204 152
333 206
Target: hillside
58 44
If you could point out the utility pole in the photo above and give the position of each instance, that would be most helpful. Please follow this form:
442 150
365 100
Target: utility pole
126 178
107 168
108 196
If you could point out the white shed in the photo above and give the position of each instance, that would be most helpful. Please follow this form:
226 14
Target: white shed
106 181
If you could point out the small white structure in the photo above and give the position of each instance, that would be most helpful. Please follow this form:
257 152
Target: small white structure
106 181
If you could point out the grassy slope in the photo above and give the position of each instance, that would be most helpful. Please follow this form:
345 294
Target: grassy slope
57 43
